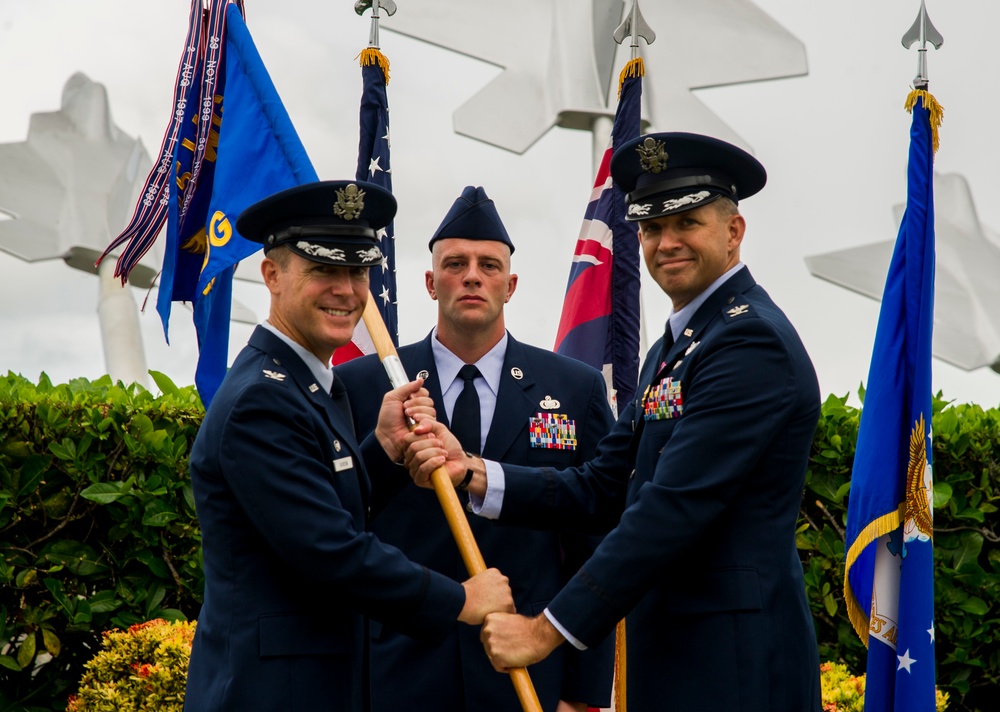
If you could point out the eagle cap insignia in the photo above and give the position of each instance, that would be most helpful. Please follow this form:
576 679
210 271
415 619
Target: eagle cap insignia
350 202
549 403
652 156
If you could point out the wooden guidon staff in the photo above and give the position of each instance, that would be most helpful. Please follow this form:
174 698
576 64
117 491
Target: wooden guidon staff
445 491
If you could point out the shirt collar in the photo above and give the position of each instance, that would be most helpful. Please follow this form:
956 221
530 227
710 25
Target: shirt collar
680 318
448 364
320 371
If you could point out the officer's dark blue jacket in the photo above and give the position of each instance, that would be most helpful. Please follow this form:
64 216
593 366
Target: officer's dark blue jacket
455 675
290 573
703 560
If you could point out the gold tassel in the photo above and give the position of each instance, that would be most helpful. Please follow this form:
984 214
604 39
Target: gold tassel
935 110
880 527
372 56
634 68
619 691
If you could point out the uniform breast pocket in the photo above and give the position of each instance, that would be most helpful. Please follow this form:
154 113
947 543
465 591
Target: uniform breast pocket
538 457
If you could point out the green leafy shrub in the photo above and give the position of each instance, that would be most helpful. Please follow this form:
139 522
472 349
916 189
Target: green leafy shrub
966 465
98 531
143 668
97 524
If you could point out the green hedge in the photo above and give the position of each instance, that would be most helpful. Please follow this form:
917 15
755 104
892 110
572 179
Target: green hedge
98 531
97 525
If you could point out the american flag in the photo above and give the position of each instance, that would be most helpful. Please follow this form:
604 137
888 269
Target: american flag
600 317
374 167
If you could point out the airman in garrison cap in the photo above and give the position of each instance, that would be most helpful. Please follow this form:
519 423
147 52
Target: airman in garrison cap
292 575
705 468
519 403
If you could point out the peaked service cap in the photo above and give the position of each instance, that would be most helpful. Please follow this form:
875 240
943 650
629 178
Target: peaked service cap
666 173
334 222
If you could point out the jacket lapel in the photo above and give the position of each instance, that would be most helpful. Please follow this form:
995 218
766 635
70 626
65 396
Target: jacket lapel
420 357
512 401
343 429
713 306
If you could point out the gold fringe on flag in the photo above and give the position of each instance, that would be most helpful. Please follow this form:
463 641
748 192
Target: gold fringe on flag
880 527
935 110
634 68
372 56
619 690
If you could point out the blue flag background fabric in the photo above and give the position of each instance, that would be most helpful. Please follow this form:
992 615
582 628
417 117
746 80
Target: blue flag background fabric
889 581
253 153
600 315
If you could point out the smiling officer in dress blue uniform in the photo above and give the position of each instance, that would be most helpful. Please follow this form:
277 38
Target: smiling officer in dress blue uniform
534 408
291 575
710 459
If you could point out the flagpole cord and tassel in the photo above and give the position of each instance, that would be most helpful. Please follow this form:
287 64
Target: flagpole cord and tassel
445 491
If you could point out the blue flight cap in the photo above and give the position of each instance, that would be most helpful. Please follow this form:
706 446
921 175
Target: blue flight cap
473 216
666 173
334 222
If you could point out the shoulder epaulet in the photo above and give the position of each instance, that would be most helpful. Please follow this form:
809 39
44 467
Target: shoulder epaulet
737 308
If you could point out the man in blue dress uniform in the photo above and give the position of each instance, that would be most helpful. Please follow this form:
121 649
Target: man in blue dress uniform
709 460
530 407
291 574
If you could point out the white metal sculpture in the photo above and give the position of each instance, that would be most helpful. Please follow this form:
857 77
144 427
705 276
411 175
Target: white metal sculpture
66 190
558 58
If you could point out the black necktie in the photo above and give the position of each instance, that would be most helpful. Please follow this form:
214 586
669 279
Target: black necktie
338 392
465 419
668 339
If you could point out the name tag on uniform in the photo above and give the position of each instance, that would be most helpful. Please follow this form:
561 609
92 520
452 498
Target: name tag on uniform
343 463
663 401
552 431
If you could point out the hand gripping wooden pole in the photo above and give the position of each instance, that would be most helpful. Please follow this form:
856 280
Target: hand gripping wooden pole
445 491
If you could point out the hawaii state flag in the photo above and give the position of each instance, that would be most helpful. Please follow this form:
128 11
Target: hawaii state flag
889 579
373 166
600 316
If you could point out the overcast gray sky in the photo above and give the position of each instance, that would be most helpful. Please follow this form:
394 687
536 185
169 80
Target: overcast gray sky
834 143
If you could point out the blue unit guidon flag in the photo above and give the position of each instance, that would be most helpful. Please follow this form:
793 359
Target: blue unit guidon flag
374 167
600 315
889 579
253 152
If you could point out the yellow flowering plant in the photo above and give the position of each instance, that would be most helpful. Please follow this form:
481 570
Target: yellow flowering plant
844 692
142 668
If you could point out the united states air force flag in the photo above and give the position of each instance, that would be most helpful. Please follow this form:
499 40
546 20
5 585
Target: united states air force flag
600 316
253 152
889 581
374 167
